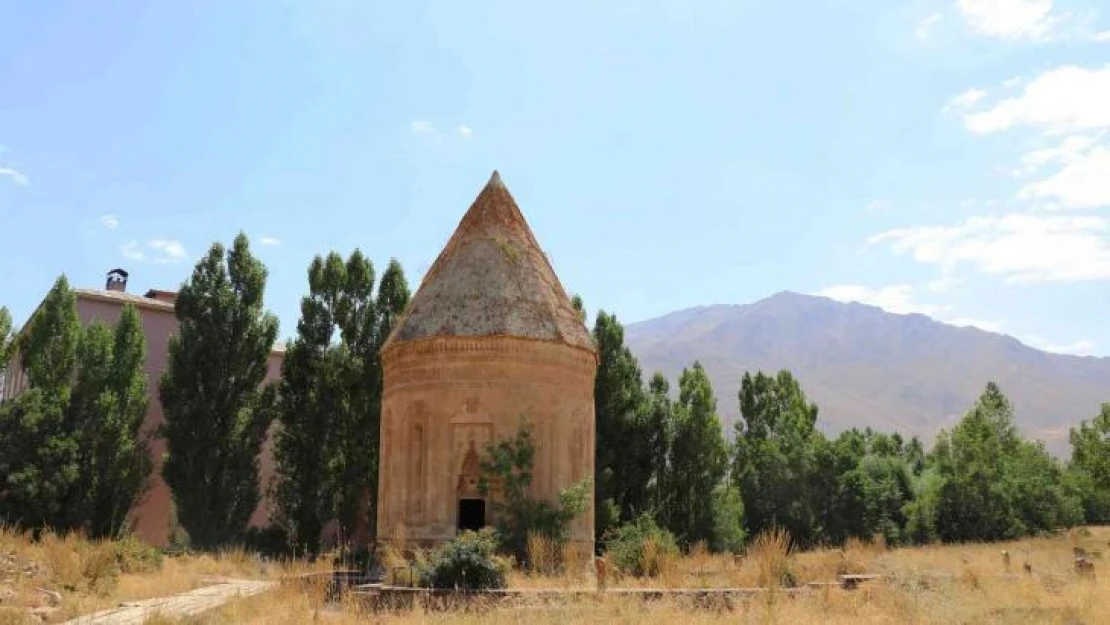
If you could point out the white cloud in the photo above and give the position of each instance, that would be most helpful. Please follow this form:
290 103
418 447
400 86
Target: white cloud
982 324
158 251
422 126
1082 347
465 131
1102 36
1063 99
1082 182
879 205
109 221
132 251
270 241
1022 248
16 176
897 298
924 27
1011 19
967 99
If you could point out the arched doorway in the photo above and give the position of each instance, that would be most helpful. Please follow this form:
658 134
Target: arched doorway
471 513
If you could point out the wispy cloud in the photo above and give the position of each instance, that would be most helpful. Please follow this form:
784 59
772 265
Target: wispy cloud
158 251
109 221
1064 99
878 205
270 241
1082 347
465 131
965 100
421 126
1068 249
896 298
1013 20
923 29
15 176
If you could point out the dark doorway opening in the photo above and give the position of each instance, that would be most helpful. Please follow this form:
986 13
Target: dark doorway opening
472 514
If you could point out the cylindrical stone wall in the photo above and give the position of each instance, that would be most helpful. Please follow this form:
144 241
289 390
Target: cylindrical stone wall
445 396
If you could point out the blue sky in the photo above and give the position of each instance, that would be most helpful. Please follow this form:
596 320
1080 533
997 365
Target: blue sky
948 157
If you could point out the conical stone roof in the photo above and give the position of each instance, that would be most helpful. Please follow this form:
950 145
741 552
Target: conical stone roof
492 279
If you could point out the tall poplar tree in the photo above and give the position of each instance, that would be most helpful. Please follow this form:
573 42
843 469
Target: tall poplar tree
39 445
699 459
217 410
330 406
108 407
1090 458
618 401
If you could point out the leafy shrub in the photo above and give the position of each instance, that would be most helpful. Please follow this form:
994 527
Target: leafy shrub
135 556
468 562
641 548
508 465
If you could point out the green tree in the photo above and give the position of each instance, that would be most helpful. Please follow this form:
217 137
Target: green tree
622 487
507 473
39 447
309 402
654 445
330 396
217 411
49 349
1090 462
392 299
699 459
116 461
777 457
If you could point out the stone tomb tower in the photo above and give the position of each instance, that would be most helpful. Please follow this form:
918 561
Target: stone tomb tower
489 340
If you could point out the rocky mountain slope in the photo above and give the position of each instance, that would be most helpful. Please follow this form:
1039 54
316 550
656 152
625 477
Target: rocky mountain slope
864 366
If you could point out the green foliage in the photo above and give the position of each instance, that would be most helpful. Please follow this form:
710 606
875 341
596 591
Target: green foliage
622 485
1090 466
49 349
39 461
507 474
108 406
330 397
39 443
781 463
216 410
625 546
996 485
728 519
468 562
698 459
135 556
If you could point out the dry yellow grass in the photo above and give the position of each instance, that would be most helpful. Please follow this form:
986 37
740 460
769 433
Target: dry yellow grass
936 584
89 577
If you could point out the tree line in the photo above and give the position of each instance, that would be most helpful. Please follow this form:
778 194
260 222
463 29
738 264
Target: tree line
664 461
73 454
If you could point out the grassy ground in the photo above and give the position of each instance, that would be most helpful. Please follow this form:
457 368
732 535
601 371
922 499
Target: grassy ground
94 575
940 584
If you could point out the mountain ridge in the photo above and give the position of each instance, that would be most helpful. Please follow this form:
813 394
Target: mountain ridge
865 366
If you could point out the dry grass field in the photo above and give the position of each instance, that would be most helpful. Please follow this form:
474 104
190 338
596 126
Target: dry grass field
936 584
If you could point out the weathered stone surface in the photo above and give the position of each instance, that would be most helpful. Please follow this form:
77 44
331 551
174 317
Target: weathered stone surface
490 341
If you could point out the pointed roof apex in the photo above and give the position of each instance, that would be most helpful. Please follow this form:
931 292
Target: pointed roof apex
492 279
